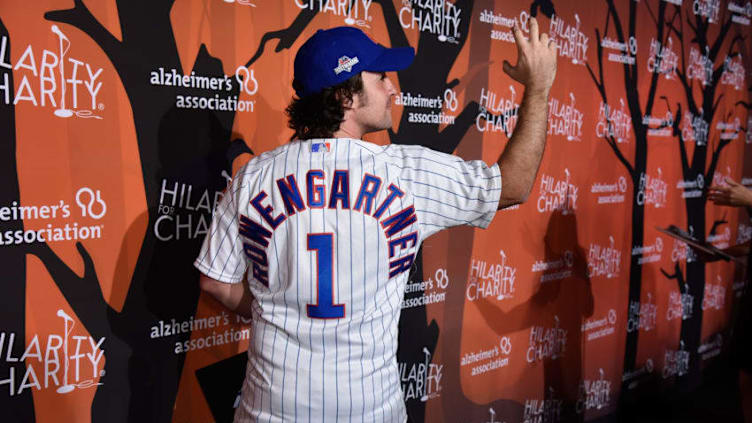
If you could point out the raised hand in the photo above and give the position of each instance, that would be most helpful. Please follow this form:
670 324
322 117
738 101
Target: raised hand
733 194
536 59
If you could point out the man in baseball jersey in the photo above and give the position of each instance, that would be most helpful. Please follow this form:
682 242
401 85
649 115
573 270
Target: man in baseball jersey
314 239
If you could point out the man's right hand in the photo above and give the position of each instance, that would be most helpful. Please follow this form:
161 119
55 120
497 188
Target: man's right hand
536 69
536 59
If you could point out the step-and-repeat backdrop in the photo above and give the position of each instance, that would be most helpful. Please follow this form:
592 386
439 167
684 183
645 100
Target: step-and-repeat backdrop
122 122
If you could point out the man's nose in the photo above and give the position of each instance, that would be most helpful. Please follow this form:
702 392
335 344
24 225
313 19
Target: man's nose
390 87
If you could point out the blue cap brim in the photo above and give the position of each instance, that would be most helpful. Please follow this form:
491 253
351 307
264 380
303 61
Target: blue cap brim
391 59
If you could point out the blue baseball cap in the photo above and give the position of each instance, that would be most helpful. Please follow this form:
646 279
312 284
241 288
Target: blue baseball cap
334 55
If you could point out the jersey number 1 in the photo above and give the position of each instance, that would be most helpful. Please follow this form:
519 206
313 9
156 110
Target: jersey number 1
324 308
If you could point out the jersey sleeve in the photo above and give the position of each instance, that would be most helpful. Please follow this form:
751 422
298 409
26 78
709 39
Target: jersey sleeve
221 256
449 191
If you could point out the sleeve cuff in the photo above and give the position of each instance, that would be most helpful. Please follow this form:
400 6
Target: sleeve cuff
218 276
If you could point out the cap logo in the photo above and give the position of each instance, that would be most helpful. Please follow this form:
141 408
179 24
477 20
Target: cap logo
345 64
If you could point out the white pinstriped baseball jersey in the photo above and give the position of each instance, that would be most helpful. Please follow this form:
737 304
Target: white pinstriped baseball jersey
327 230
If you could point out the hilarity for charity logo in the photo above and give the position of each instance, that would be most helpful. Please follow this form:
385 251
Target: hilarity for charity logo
680 305
695 128
733 72
565 119
557 195
184 210
714 296
497 115
59 81
355 12
491 279
614 123
547 410
547 342
682 251
707 8
652 190
676 362
594 394
438 17
663 59
700 66
68 363
422 380
604 260
642 316
570 41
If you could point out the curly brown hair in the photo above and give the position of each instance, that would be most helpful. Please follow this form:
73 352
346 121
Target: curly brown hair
319 115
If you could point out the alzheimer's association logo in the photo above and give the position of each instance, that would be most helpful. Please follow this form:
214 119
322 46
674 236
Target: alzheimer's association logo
488 359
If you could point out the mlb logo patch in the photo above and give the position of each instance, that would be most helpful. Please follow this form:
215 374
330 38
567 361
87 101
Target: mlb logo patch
345 64
320 147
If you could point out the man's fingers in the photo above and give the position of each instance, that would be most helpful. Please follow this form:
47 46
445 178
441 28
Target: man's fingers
544 39
731 182
533 28
552 44
519 38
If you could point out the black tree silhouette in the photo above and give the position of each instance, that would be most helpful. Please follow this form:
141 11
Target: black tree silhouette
698 31
638 107
187 147
19 406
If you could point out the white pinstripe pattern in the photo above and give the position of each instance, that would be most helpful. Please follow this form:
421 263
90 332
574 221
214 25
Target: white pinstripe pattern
341 369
